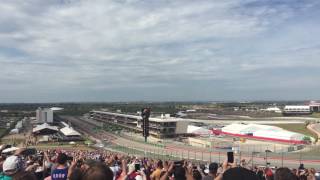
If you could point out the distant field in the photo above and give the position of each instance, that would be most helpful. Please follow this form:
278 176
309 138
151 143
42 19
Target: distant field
314 152
2 130
299 128
315 115
66 147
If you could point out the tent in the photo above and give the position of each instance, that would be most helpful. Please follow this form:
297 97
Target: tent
69 131
45 129
12 149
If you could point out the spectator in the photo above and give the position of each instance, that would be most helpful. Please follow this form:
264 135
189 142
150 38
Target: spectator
100 165
11 166
98 171
156 174
196 174
24 175
268 174
61 170
312 174
179 173
213 168
284 174
239 173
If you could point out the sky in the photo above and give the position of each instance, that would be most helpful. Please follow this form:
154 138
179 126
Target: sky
159 50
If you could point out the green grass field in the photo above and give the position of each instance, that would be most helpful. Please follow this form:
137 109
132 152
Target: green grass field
66 147
315 115
299 128
2 131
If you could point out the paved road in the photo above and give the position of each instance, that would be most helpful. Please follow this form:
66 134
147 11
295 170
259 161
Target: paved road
266 120
222 122
188 152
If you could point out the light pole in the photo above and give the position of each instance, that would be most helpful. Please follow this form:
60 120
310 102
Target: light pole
266 157
145 114
282 158
252 159
300 158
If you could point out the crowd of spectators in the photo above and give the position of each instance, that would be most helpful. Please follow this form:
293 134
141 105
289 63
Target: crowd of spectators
32 164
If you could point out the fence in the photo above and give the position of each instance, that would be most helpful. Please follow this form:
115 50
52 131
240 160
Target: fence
282 159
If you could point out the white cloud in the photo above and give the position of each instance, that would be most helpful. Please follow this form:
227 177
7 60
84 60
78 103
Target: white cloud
98 44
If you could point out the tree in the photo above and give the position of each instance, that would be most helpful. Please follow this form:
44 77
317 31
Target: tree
307 138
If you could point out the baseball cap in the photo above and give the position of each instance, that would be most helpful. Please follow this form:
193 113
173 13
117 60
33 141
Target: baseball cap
11 165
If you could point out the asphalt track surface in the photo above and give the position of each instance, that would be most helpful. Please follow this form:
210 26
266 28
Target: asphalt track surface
189 152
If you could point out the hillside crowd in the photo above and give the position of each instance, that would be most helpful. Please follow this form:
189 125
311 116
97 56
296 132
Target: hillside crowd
31 164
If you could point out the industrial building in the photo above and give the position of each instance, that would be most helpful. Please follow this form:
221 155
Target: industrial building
44 115
163 127
265 132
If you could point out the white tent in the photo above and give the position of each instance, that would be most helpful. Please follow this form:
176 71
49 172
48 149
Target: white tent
264 131
14 131
45 126
69 131
10 150
198 130
234 128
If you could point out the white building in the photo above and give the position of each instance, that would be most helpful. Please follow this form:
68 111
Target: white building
273 109
314 106
297 109
44 115
191 110
164 127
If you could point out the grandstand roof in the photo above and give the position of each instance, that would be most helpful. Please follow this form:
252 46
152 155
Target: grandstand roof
165 119
297 106
44 126
69 131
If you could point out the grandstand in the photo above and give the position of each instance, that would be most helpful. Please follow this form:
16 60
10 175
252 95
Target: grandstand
164 127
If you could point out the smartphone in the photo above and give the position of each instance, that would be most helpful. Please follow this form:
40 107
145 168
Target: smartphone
137 167
230 157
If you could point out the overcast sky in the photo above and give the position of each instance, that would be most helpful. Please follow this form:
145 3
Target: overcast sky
159 50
